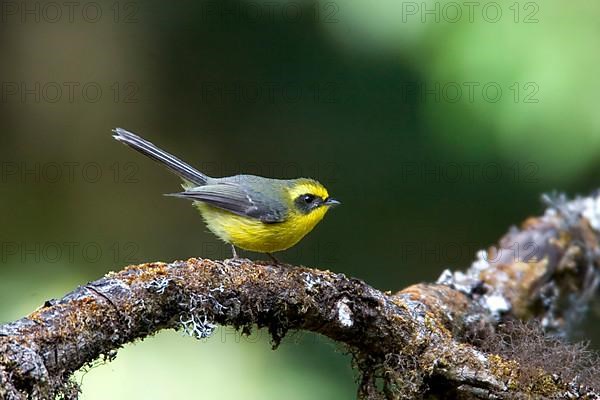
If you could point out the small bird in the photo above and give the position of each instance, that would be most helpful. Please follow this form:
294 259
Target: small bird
251 212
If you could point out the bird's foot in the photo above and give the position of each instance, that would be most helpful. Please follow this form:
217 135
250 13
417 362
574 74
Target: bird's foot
236 260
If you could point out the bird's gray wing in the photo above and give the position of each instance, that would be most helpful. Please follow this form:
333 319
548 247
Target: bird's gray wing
238 200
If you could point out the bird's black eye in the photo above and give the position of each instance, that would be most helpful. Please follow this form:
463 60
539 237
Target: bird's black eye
308 198
307 202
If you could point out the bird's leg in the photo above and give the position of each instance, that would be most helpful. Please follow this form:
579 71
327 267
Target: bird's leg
275 260
235 259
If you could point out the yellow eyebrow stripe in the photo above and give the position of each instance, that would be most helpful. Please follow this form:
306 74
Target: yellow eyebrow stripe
308 186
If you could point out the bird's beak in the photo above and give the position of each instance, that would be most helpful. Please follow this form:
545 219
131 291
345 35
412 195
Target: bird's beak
331 202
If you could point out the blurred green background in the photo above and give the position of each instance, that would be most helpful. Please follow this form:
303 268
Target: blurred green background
438 125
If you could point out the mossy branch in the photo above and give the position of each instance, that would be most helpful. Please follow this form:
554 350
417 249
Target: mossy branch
426 340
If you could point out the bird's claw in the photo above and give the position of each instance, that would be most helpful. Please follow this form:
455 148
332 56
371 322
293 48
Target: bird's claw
237 261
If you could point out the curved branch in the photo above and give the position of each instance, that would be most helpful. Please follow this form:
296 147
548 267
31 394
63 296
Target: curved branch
416 342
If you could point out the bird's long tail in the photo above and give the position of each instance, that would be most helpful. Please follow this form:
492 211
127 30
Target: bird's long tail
180 168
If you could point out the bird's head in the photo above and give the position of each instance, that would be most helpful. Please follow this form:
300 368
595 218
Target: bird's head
308 196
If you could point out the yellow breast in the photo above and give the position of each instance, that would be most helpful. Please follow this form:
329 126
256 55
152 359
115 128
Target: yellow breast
254 235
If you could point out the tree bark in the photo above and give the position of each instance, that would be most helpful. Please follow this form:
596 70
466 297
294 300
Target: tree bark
444 340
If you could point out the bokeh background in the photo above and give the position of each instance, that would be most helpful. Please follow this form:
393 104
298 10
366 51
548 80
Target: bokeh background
438 124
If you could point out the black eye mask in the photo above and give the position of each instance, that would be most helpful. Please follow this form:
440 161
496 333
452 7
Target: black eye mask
307 202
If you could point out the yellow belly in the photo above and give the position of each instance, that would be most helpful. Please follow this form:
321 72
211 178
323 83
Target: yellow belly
254 235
